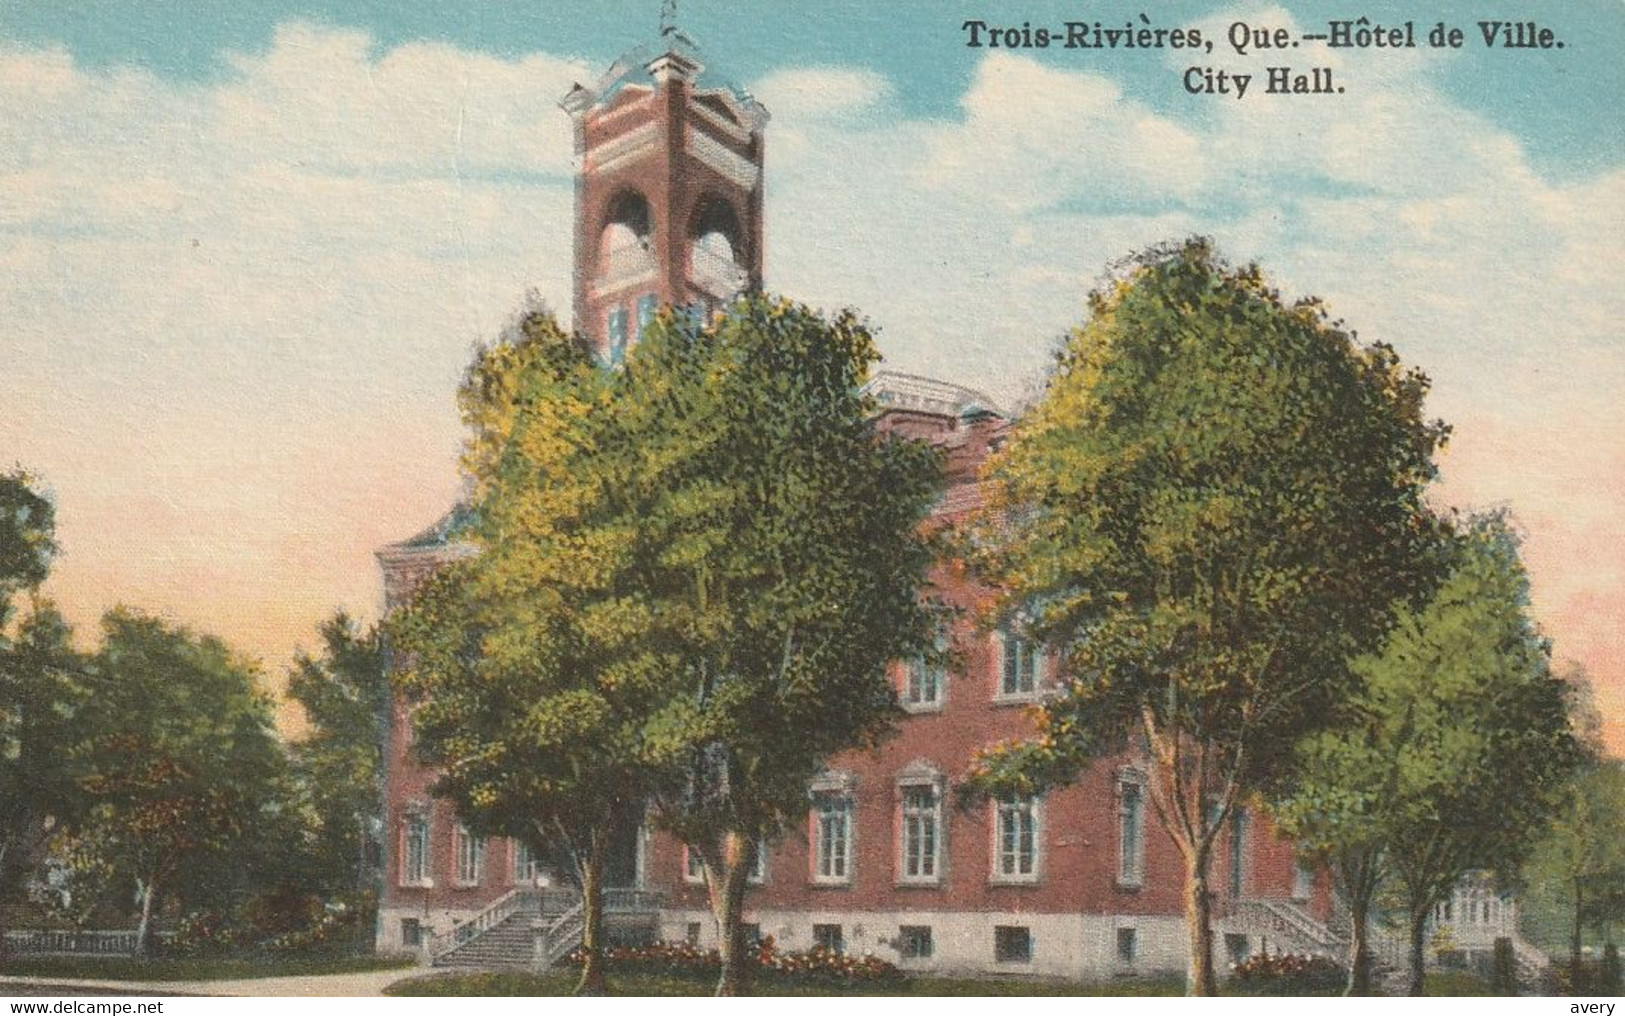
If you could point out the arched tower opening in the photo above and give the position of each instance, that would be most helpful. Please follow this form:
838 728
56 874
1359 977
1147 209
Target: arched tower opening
717 248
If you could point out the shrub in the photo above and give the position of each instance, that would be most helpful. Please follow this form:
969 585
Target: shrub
1289 974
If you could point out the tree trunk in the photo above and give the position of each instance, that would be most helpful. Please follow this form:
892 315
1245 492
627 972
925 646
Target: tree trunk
593 981
143 932
728 903
1418 957
1574 937
1359 984
1200 980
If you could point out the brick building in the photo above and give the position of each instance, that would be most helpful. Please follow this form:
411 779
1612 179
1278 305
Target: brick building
1079 882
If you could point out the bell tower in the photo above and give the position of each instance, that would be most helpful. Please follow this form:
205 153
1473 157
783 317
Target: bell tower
668 191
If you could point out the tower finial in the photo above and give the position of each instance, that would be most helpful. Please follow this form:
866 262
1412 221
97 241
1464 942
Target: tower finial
668 17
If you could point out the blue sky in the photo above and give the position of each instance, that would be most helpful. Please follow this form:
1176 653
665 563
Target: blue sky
245 250
1562 104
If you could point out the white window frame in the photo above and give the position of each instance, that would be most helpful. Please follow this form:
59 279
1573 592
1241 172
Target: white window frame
906 822
1131 785
1304 877
758 868
929 938
415 871
693 866
1239 873
694 870
916 672
1016 806
470 857
1036 664
525 869
825 869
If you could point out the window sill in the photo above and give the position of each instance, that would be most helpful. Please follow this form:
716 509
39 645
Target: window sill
1017 880
919 883
1132 885
918 708
830 883
1025 698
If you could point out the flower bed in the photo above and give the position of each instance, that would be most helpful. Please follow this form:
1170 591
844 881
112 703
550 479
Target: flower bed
1288 974
815 965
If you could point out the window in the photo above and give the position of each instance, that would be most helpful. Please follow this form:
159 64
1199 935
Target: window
525 868
1015 839
914 942
752 933
827 937
1019 668
415 850
616 329
411 933
470 856
693 936
694 865
1238 852
922 828
832 838
1303 881
1012 944
758 866
1236 947
1127 944
1130 831
922 684
648 305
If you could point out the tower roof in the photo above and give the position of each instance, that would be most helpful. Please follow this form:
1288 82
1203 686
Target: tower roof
669 46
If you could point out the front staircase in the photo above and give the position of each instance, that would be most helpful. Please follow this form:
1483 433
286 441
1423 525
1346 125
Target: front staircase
1284 926
532 929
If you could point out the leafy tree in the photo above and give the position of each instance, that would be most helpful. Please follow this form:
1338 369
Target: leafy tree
41 689
183 762
691 574
1212 508
1575 878
531 708
1460 747
27 536
339 762
42 692
788 570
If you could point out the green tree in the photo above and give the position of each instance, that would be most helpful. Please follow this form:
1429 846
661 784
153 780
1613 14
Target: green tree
183 762
1212 507
1461 748
339 761
690 575
27 536
41 690
530 706
1576 876
789 569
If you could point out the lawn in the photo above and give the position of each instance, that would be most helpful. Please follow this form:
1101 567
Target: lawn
562 982
124 968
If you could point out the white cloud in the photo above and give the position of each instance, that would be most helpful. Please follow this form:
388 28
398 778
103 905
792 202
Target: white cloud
241 307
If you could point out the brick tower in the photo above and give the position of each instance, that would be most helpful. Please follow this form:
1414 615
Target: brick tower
668 191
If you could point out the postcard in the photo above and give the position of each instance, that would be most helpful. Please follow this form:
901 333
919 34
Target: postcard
869 499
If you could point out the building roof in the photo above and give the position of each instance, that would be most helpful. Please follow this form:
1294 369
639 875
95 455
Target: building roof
896 390
445 532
